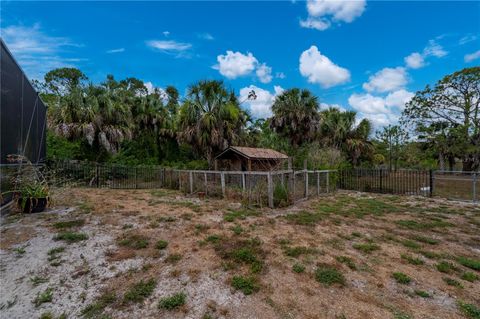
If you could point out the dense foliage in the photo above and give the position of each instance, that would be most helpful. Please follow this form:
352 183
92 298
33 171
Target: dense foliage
126 122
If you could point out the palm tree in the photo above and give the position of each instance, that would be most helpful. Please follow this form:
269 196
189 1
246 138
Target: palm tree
295 116
210 119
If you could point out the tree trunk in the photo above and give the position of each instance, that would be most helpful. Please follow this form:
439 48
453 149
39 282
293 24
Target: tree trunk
441 161
451 163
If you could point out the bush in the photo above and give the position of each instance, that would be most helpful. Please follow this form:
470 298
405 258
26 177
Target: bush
173 301
329 275
401 278
161 244
280 196
469 262
247 285
139 291
71 237
298 268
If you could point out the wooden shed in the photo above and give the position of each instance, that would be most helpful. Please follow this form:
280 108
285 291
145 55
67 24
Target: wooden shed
237 158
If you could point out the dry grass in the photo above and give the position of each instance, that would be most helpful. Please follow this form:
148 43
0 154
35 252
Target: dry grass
346 255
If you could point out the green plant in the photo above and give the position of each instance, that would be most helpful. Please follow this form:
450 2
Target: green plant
426 240
247 285
43 297
31 193
134 241
37 280
173 258
71 237
161 244
139 291
237 229
422 294
401 278
69 224
366 247
347 261
445 267
173 301
411 244
304 218
412 260
452 282
95 309
469 262
470 276
329 275
280 195
298 268
297 251
470 310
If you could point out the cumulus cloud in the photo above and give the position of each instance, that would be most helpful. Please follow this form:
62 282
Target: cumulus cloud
381 111
261 107
472 56
119 50
168 45
236 64
318 68
264 73
415 60
321 13
326 106
434 49
387 79
38 52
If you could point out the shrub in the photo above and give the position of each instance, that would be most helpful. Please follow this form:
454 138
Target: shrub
173 301
139 291
298 268
401 278
469 262
247 285
71 237
445 267
280 196
161 244
329 275
470 310
470 276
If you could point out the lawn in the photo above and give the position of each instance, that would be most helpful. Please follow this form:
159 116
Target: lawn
102 253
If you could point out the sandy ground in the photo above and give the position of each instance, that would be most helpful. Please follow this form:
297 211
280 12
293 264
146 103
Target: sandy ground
85 270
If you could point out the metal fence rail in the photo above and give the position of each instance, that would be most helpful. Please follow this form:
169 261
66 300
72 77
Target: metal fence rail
457 185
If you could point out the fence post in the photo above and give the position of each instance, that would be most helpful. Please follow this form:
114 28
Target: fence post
431 182
270 190
136 184
206 182
243 182
306 183
222 179
328 181
474 187
381 180
318 183
97 176
190 177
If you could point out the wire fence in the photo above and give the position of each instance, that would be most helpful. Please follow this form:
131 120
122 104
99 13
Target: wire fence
456 185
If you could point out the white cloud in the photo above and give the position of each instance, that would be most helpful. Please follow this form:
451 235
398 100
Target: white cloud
321 13
166 33
434 49
264 73
387 79
205 36
280 75
415 60
398 99
168 45
367 103
472 56
468 38
119 50
318 68
36 51
235 64
326 106
261 107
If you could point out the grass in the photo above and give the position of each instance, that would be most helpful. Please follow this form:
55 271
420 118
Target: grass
233 215
422 293
69 224
426 240
161 244
297 251
445 267
173 258
140 291
305 218
247 285
329 275
469 262
415 225
237 229
411 244
470 276
412 260
134 241
366 248
401 278
173 301
95 309
37 280
469 310
298 268
246 252
71 237
347 261
43 297
452 282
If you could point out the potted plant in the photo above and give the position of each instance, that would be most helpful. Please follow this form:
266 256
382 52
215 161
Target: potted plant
33 198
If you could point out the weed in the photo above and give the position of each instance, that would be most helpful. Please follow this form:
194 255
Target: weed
139 291
401 278
452 282
95 309
69 224
43 297
239 214
329 275
247 285
422 293
411 244
213 239
173 258
201 228
247 252
469 262
173 301
298 268
37 280
412 260
168 219
237 229
426 240
304 218
71 237
412 224
430 254
366 247
445 267
347 261
134 241
161 244
297 251
470 276
470 310
20 251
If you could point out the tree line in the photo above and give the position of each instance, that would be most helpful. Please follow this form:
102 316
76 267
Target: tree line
125 122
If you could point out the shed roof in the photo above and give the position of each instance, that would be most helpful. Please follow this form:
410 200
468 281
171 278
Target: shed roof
254 153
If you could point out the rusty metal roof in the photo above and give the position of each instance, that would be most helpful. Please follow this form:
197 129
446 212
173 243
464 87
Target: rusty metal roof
255 153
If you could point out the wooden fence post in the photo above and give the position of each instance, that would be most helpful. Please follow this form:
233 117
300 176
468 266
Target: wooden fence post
328 181
190 177
306 183
243 182
270 190
431 182
206 182
222 179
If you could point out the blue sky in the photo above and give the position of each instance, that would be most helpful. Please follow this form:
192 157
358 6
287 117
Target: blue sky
369 56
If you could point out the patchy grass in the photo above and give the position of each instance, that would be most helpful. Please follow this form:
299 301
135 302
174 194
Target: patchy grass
43 297
329 275
140 291
69 224
161 244
305 218
172 302
173 258
469 262
452 282
134 241
469 310
470 276
247 285
426 240
71 237
247 252
297 251
401 278
347 261
412 260
37 280
415 225
298 268
96 308
422 293
411 244
237 229
366 248
243 213
446 267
